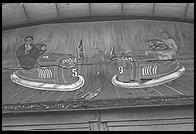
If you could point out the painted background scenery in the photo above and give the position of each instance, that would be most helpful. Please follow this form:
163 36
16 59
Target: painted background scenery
99 37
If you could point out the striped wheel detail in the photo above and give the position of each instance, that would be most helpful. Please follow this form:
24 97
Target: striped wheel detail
154 70
149 70
44 73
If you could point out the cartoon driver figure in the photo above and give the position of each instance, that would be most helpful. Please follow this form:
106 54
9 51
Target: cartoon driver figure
165 47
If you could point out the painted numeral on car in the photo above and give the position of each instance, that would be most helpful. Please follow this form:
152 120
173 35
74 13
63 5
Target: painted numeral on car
75 73
120 68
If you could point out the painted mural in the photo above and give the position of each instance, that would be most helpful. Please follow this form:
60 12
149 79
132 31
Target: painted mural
91 58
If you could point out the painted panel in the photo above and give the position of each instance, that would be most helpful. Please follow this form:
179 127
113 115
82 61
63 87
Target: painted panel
170 10
190 11
138 8
73 9
42 11
13 13
106 8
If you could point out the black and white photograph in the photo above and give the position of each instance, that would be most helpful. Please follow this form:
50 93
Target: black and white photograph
98 66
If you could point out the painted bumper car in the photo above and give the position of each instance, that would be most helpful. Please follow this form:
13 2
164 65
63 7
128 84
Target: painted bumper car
54 71
142 69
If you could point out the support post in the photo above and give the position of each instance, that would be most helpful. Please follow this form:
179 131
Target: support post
153 8
26 14
185 11
122 9
57 10
90 9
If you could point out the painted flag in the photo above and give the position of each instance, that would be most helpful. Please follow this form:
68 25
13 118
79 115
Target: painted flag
113 54
80 50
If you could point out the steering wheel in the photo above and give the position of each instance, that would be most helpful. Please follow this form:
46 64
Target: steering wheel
40 49
157 45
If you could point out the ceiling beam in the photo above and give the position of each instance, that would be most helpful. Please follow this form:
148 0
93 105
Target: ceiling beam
26 14
185 11
122 9
90 8
153 9
57 10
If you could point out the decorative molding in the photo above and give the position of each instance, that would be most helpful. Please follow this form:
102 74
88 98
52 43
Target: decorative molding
100 18
107 104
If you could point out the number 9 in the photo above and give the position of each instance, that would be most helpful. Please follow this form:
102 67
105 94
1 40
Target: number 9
75 74
120 68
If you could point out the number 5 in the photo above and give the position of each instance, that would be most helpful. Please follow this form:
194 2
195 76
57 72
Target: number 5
120 69
75 74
